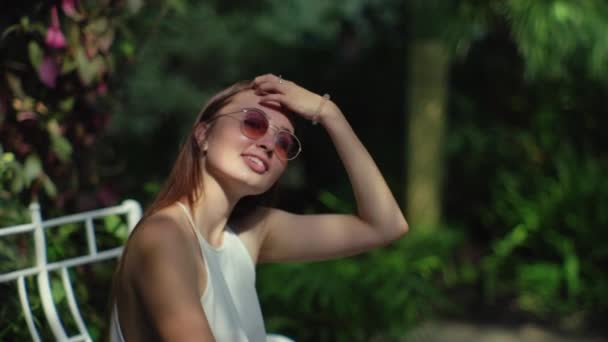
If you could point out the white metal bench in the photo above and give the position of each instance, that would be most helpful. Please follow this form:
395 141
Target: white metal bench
42 271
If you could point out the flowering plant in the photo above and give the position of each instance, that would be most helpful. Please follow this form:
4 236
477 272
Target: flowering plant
53 99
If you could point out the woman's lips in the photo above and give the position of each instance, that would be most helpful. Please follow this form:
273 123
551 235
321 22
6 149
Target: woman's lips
255 163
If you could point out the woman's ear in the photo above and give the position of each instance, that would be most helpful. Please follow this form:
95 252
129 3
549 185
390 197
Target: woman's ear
200 134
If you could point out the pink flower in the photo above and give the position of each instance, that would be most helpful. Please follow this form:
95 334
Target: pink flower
69 8
102 88
21 148
48 72
54 37
22 116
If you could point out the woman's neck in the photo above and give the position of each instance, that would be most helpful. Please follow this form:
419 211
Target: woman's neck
211 211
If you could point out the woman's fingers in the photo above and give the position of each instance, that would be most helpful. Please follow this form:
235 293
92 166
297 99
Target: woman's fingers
263 78
270 87
268 82
273 88
267 78
277 98
273 82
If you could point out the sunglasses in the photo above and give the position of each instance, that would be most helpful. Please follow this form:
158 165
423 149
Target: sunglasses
255 124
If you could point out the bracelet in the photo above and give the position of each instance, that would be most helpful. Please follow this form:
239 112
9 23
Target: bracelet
318 112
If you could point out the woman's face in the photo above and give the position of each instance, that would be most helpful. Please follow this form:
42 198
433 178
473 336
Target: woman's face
241 165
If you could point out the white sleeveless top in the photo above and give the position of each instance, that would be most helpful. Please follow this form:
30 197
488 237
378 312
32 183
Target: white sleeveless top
230 300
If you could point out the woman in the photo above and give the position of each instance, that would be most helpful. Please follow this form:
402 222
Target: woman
199 241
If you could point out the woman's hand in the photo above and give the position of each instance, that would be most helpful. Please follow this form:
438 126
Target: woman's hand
295 98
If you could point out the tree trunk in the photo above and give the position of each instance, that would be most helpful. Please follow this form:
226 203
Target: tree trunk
428 77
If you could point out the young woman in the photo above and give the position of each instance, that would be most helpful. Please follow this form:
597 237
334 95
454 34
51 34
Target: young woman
188 270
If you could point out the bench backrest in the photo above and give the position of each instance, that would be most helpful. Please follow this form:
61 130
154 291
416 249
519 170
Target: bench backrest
129 213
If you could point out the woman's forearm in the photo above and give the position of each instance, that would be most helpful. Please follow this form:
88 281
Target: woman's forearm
376 204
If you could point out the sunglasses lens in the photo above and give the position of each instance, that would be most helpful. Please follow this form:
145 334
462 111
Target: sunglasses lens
286 145
255 125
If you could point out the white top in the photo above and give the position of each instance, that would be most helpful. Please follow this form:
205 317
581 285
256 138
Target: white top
230 300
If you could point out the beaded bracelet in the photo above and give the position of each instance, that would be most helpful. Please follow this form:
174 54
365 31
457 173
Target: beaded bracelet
318 112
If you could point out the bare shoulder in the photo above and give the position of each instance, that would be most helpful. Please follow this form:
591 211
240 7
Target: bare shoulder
161 235
158 230
162 282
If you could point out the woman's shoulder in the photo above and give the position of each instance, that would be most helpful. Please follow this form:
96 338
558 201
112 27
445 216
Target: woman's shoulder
158 233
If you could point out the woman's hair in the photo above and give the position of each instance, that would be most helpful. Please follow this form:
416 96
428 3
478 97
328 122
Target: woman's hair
185 178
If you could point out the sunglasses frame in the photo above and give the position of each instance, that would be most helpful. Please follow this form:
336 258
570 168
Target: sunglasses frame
276 129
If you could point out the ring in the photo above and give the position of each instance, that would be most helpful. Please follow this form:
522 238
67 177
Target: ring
280 79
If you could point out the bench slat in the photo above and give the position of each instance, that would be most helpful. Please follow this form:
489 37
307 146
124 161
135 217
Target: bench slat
69 292
27 311
129 208
82 260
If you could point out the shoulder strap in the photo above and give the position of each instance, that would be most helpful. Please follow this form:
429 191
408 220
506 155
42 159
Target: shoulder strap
220 276
196 232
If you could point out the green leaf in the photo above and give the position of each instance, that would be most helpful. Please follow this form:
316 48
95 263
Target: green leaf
9 30
17 185
515 238
111 222
25 22
32 168
67 104
49 187
62 147
58 290
134 5
539 285
572 270
14 83
88 70
333 202
152 187
35 54
7 157
98 26
59 144
127 48
69 65
115 226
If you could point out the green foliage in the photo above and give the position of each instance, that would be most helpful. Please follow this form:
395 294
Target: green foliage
231 44
557 39
378 295
553 36
56 65
526 156
555 219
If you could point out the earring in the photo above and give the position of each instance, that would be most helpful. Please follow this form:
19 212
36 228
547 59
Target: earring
203 148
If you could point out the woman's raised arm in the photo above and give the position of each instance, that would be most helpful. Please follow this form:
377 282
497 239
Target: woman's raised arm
378 220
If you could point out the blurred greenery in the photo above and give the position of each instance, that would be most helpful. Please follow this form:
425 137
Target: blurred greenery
523 191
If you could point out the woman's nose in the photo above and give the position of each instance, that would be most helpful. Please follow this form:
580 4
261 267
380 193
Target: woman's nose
267 141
